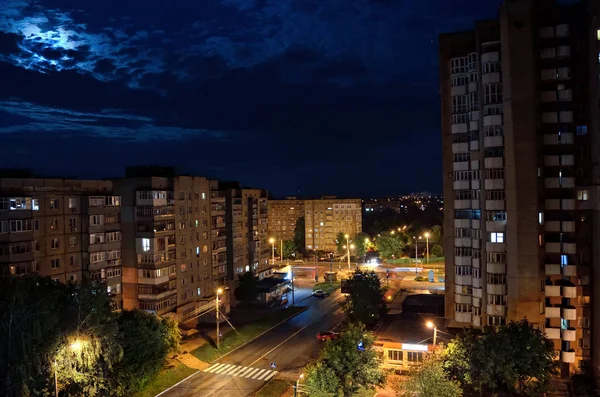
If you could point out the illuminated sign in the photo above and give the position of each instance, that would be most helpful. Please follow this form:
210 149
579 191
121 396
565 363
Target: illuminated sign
410 346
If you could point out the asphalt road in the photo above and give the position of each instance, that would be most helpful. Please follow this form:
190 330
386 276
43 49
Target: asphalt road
289 346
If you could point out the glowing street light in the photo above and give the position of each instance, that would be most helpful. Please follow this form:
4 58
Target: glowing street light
272 242
76 347
219 291
431 325
427 237
348 249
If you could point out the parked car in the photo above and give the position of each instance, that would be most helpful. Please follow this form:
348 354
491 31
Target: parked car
320 294
327 335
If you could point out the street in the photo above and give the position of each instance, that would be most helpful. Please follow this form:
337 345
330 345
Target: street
288 346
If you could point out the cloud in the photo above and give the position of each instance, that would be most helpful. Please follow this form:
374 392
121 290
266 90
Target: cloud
108 123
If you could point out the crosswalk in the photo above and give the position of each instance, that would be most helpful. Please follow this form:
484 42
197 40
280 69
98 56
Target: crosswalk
242 372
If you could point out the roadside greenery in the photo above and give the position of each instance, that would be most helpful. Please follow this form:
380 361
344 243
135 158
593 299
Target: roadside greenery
430 379
365 303
516 357
327 286
71 328
231 340
340 243
344 366
246 290
299 234
165 379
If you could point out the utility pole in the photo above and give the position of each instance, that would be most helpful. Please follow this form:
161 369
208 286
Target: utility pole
217 316
348 249
416 255
316 267
331 269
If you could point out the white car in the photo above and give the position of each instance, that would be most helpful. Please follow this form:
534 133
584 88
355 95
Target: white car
320 294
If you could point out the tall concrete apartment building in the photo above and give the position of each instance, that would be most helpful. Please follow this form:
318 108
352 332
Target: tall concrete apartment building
521 152
167 245
247 227
326 217
61 228
283 215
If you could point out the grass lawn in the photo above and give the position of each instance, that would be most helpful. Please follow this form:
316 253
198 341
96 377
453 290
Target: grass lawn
274 388
231 340
327 286
165 379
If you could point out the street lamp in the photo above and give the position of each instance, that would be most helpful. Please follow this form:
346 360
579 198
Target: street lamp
430 324
348 249
76 346
427 237
352 246
417 253
219 291
297 384
272 241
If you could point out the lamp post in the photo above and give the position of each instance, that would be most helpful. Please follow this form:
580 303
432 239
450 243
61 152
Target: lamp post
272 241
417 254
219 291
348 249
76 347
430 324
352 246
427 238
296 384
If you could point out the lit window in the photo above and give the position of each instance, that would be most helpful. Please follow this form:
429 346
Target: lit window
197 250
198 291
146 244
564 260
598 34
541 218
581 130
497 237
582 195
203 196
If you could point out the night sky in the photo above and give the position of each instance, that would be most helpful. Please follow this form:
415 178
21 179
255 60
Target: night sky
296 96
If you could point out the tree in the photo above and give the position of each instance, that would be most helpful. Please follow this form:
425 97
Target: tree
146 341
320 381
390 245
299 235
365 303
430 379
495 358
437 250
435 235
30 314
353 361
340 243
289 248
246 290
362 244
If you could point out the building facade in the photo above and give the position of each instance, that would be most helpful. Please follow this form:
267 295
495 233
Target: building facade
283 215
520 139
167 245
325 218
61 228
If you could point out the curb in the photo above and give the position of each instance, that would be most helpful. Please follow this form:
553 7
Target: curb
259 335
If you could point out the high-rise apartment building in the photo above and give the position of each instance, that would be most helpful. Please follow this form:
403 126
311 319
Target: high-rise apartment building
283 215
520 152
167 246
326 217
61 228
247 230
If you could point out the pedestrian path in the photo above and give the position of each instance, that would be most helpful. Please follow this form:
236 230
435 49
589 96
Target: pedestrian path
242 372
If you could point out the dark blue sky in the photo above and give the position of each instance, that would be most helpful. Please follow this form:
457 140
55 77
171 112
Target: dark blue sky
316 96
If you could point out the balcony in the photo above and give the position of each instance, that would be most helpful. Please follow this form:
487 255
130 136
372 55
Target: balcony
569 292
477 282
462 261
462 204
476 301
567 356
553 270
493 141
568 335
477 293
458 298
569 313
552 204
476 321
462 317
462 242
492 205
496 310
491 184
553 311
498 268
570 270
494 162
496 289
495 247
463 280
552 226
552 290
552 333
495 226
